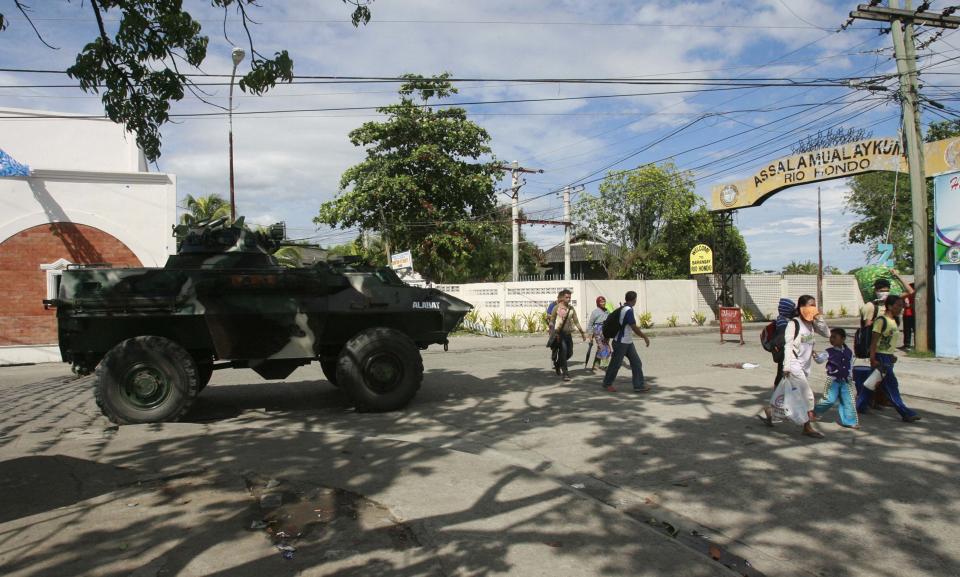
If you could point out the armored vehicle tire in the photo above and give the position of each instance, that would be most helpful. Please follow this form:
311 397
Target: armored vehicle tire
146 380
329 369
380 369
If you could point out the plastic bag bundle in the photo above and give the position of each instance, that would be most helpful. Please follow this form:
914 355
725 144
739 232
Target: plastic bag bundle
792 400
869 274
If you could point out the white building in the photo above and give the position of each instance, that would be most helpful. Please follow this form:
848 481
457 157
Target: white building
88 199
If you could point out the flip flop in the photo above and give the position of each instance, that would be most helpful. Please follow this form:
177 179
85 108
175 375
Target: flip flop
768 421
813 434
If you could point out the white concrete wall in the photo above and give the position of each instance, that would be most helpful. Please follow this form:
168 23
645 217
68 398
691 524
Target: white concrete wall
68 142
661 298
139 209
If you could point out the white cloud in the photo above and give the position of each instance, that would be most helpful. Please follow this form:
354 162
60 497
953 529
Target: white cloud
286 165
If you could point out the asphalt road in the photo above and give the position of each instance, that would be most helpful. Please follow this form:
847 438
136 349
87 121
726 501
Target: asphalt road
496 468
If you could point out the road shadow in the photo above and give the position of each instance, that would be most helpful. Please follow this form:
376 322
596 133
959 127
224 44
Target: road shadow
35 484
805 504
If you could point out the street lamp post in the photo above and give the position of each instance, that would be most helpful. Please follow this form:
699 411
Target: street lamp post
237 56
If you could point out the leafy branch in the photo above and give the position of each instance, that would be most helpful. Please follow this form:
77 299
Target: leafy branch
136 69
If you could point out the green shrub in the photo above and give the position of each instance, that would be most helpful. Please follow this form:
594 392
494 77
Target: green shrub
496 322
646 321
747 315
843 311
514 323
698 318
830 314
672 320
532 322
544 321
473 316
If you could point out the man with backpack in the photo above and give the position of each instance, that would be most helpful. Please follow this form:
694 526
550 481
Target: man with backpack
620 327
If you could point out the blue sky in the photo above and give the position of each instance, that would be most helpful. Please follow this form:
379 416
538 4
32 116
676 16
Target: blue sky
287 164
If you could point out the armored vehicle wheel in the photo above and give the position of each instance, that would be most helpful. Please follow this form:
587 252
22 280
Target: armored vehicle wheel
380 369
146 380
330 371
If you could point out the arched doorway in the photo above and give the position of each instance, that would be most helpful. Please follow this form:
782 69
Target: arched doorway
30 262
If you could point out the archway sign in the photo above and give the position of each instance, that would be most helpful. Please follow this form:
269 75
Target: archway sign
874 154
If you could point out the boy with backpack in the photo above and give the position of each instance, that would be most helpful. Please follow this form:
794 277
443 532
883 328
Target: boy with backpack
883 356
620 327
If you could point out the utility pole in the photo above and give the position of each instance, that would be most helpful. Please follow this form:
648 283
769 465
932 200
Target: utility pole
514 220
566 234
819 254
515 183
383 235
901 27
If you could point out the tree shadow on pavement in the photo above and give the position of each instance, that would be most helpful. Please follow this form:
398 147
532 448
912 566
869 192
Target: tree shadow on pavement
691 448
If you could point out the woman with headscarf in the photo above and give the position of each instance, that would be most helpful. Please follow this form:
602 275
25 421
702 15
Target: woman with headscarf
798 345
595 325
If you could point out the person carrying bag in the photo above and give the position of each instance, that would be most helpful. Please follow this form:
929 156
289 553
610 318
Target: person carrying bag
563 338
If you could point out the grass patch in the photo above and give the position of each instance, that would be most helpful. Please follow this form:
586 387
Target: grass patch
920 355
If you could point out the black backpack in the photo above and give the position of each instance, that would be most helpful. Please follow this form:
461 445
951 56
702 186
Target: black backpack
864 334
611 326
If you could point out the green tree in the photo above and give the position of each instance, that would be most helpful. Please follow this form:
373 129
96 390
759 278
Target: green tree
289 256
655 217
806 267
942 130
372 250
492 257
137 63
885 217
204 208
422 185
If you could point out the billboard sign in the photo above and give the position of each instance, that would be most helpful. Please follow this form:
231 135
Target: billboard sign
701 260
401 260
946 218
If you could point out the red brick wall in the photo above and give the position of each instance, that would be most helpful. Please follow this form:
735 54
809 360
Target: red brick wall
24 286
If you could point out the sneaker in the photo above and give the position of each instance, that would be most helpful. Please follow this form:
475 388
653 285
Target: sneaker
566 376
911 418
610 388
643 389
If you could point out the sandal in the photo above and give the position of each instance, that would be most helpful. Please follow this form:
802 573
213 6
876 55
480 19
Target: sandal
813 433
766 420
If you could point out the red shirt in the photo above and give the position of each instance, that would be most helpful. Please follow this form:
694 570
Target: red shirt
908 306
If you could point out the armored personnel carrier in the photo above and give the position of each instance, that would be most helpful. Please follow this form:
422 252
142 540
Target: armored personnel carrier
155 335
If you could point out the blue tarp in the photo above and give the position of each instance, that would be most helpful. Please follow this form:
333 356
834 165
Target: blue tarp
10 167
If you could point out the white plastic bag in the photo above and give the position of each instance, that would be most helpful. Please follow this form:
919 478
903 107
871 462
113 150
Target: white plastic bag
789 400
871 382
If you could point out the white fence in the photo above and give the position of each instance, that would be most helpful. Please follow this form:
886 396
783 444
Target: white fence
663 299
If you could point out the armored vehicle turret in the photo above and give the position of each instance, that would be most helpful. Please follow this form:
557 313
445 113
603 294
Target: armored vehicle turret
153 336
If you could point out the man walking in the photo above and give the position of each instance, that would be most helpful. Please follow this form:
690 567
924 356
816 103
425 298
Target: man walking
623 347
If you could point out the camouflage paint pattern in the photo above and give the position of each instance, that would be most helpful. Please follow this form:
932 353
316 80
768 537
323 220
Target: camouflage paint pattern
224 297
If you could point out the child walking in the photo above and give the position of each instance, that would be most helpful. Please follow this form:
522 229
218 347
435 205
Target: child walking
840 389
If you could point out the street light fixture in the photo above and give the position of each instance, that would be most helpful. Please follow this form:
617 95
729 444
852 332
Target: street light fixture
237 55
